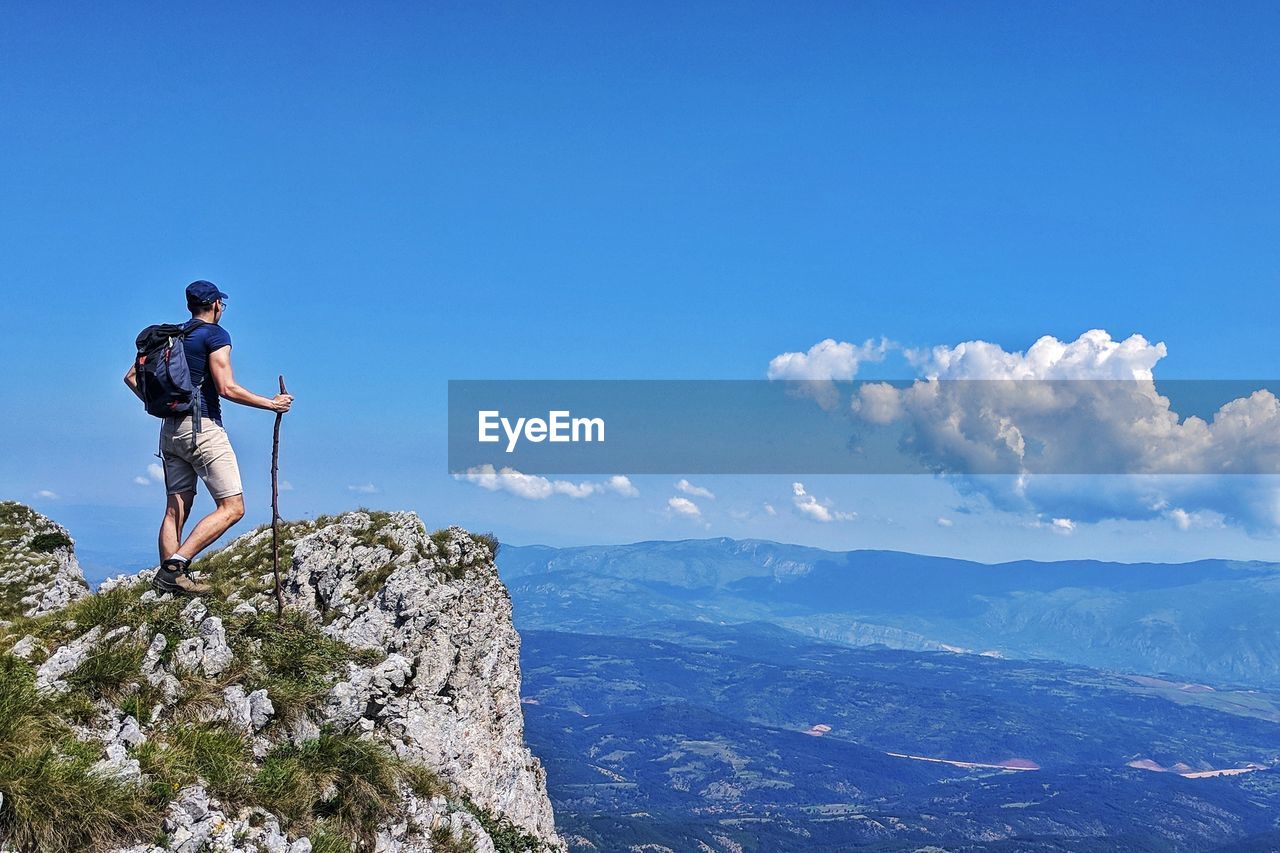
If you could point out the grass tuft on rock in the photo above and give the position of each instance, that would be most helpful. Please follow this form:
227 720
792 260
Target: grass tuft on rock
350 783
57 802
490 541
54 798
507 837
183 754
107 672
325 839
292 658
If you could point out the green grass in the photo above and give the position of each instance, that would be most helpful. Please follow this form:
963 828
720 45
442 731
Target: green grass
15 518
26 716
142 702
182 754
443 841
53 800
325 839
507 837
291 658
241 568
350 783
442 539
107 671
490 541
370 582
118 606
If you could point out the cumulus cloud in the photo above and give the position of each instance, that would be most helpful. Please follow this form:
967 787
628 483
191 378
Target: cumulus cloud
697 491
155 474
684 507
535 488
825 363
817 510
363 489
1124 432
621 485
943 521
1093 355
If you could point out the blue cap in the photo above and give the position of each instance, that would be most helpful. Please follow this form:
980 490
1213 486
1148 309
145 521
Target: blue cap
204 291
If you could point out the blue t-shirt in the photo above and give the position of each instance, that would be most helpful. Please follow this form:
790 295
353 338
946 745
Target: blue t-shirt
198 345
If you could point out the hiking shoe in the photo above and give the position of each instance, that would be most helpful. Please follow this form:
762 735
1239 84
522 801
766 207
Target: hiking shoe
172 577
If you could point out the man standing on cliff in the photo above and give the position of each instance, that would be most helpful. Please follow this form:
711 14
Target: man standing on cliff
192 447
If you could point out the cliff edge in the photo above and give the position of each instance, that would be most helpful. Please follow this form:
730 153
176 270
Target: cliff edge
382 712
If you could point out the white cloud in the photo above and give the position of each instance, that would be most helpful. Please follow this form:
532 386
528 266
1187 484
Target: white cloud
47 494
535 488
827 359
815 509
1153 457
943 521
1063 525
1184 520
826 362
684 506
621 485
1093 355
697 491
286 486
768 508
155 474
363 489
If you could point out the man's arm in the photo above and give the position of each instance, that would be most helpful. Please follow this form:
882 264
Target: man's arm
225 382
131 379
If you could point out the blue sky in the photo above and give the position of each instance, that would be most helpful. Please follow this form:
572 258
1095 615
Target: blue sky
411 193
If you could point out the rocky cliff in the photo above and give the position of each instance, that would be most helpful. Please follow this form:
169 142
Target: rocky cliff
38 568
382 712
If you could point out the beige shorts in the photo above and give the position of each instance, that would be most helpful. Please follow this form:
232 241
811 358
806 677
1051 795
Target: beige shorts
210 458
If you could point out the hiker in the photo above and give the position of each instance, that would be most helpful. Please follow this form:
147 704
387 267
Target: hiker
193 442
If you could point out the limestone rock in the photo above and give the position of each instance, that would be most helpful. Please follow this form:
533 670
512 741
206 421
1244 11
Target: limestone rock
208 651
429 669
439 604
38 568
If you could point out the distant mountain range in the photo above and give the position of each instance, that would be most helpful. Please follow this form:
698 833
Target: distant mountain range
1210 619
723 695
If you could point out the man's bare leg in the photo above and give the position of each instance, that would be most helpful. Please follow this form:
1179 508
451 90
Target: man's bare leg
175 518
227 512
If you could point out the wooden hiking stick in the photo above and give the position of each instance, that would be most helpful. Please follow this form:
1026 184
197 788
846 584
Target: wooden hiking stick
275 507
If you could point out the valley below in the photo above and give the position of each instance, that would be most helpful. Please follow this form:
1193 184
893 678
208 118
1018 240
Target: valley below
697 696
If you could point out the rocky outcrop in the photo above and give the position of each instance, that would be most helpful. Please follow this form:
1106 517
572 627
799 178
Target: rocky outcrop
396 662
448 693
39 572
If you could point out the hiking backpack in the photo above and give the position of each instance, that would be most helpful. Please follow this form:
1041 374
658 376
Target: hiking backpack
163 376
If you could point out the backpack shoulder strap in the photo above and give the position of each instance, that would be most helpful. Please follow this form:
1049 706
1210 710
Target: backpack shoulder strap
191 325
